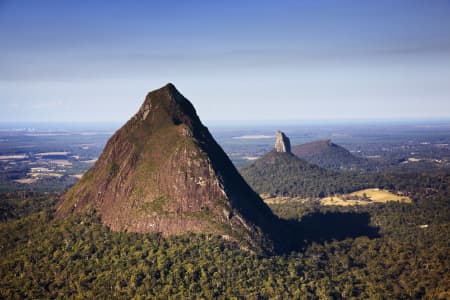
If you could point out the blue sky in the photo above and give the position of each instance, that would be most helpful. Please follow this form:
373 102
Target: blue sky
88 61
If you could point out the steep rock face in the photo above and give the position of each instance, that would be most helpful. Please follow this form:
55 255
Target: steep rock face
282 143
164 172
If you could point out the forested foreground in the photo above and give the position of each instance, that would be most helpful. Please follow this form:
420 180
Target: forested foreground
79 258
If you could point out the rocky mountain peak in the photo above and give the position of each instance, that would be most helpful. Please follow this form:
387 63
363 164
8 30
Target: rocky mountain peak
163 172
282 143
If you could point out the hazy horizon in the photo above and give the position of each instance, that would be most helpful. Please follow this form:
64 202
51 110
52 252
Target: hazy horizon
244 124
246 60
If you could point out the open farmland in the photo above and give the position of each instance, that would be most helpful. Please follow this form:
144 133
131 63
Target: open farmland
364 197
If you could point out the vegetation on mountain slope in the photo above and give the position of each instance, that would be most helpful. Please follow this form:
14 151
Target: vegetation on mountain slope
285 174
328 155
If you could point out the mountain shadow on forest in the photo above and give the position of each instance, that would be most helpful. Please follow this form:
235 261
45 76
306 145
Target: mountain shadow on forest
323 227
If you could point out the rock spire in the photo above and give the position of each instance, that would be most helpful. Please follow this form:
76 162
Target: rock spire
282 143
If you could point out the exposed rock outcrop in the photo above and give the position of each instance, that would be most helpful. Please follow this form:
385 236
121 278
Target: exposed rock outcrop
282 143
163 172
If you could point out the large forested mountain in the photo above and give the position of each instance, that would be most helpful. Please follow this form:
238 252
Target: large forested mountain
328 155
285 174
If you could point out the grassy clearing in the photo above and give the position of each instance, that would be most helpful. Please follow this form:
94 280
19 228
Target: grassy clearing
8 157
280 199
26 180
364 197
61 162
361 197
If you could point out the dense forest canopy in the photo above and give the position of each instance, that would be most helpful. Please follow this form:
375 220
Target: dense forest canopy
46 258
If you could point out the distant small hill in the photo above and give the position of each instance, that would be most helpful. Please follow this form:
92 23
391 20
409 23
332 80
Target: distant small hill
284 174
328 155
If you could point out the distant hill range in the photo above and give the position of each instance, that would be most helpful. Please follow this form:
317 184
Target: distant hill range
163 172
328 155
282 173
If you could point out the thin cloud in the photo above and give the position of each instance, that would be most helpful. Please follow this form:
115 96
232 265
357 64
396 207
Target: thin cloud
55 66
